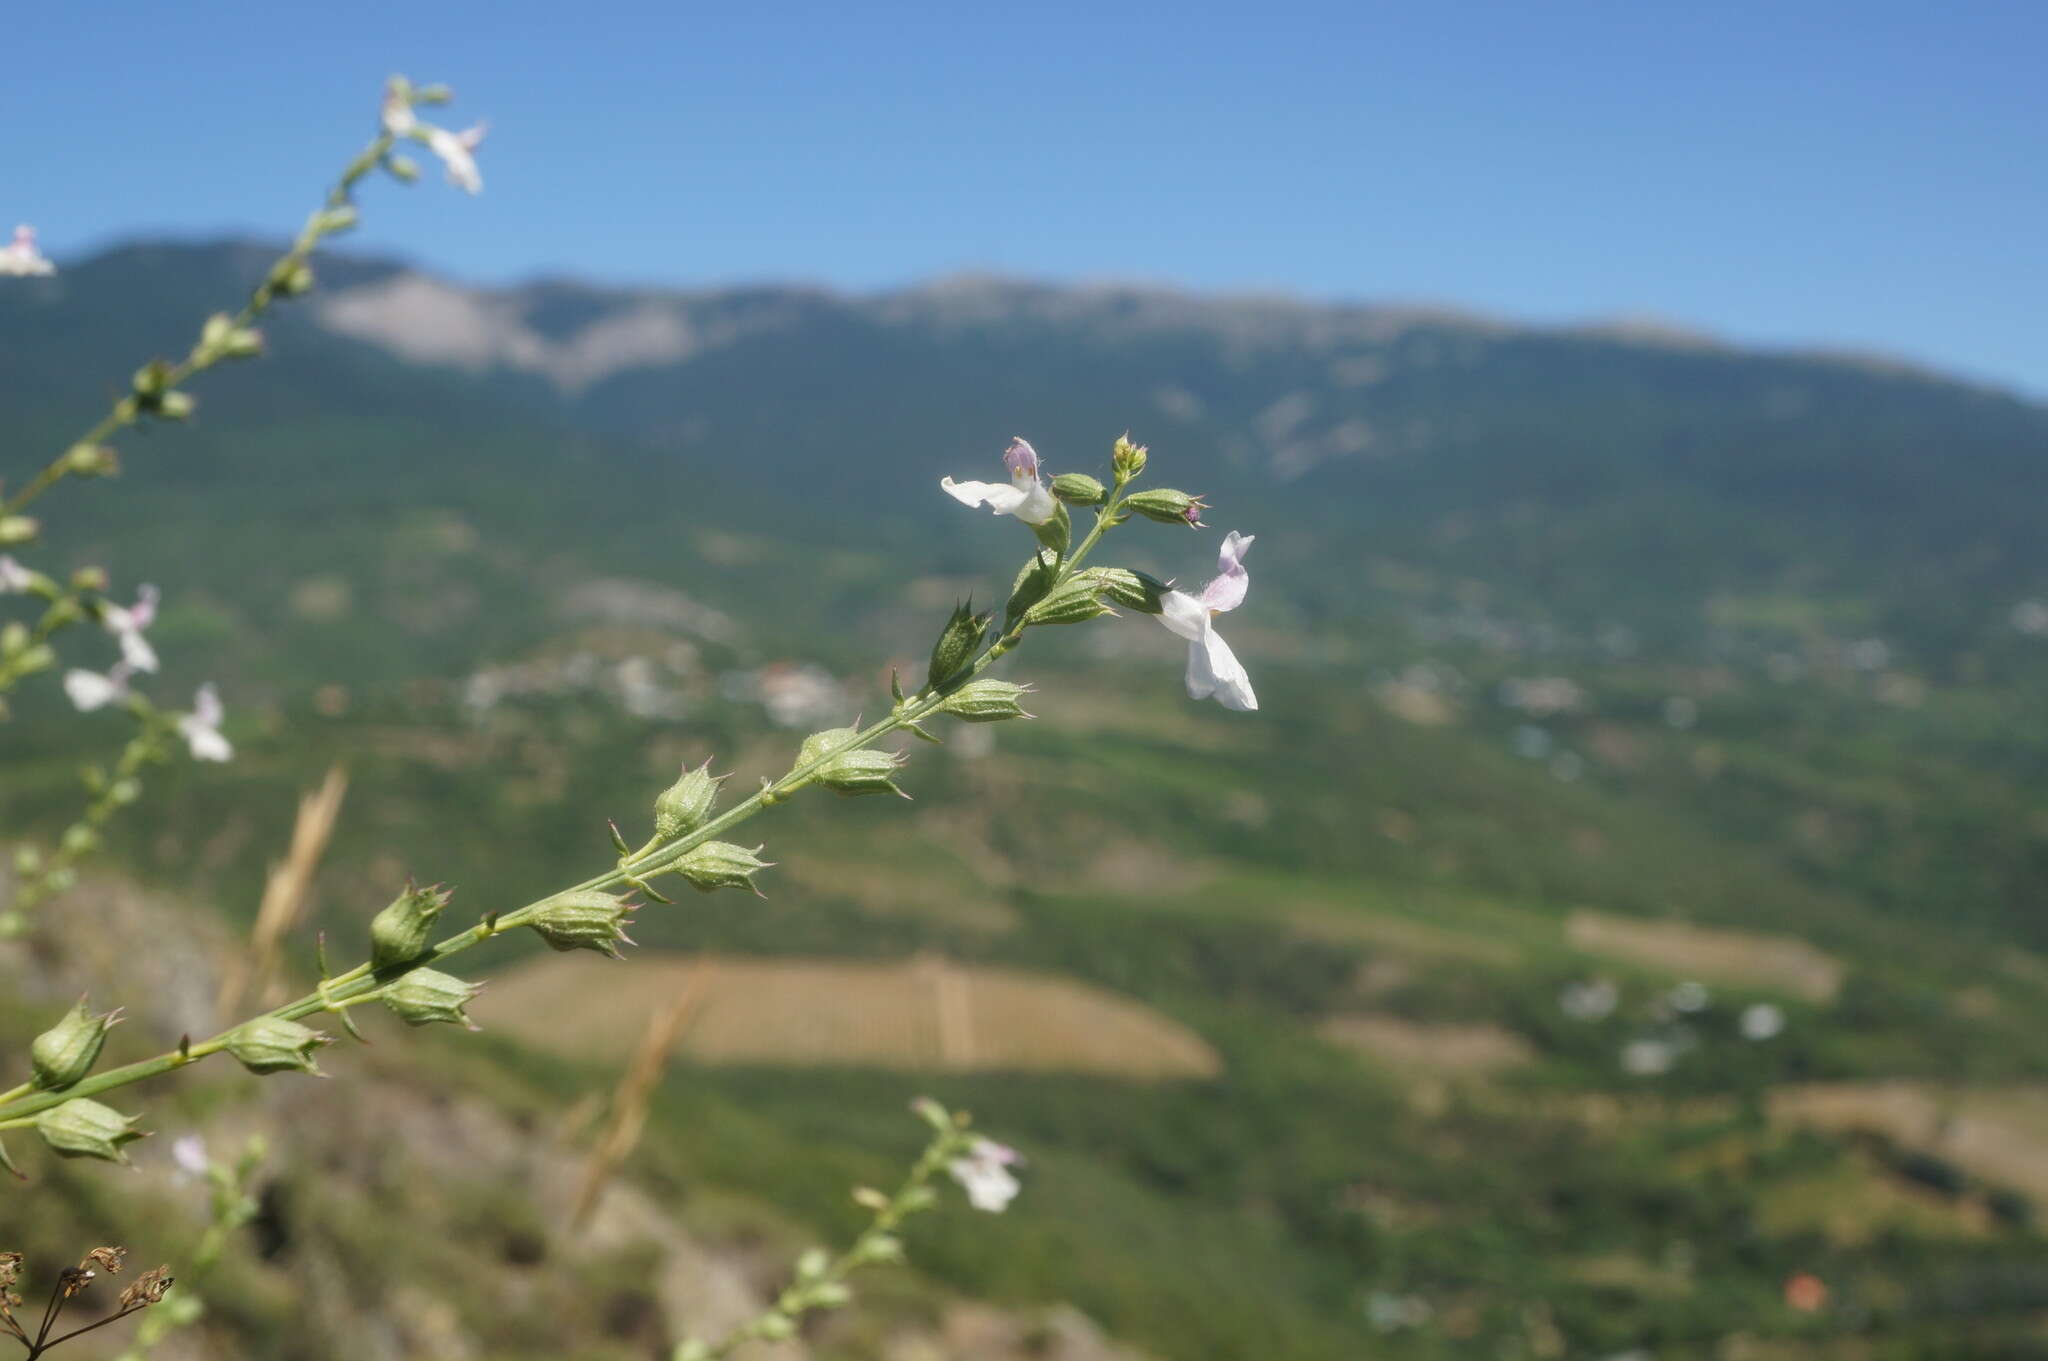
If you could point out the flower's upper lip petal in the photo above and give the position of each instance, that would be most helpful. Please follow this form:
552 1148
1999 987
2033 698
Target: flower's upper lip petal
1000 497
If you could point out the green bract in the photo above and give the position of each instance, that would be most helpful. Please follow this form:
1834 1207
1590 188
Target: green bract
584 919
1122 586
401 931
853 771
720 864
684 805
67 1051
957 643
1073 602
987 701
271 1044
1079 489
85 1129
428 997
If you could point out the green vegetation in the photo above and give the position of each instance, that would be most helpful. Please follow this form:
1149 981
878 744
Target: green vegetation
1581 627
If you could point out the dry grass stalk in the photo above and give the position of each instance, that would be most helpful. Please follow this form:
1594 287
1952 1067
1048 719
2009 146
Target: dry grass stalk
284 895
629 1101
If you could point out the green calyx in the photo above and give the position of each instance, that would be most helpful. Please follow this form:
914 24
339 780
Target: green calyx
403 930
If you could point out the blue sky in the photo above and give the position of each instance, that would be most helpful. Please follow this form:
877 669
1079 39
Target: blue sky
1869 175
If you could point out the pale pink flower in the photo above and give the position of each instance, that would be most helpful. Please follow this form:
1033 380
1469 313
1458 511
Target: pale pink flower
201 727
1025 496
188 1153
14 577
1213 669
456 150
90 690
985 1175
127 622
22 258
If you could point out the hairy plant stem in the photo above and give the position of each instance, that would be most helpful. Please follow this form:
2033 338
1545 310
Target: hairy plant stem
781 1317
129 409
144 749
363 982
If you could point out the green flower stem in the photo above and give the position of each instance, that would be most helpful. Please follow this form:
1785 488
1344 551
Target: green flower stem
363 982
118 790
128 410
825 1288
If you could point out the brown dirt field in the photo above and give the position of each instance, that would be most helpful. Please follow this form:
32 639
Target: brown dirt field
920 1013
1437 1048
2000 1135
1715 955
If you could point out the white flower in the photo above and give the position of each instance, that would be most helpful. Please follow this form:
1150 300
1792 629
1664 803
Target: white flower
188 1151
1213 669
1024 497
455 150
20 257
90 690
201 727
13 576
1762 1021
126 623
985 1175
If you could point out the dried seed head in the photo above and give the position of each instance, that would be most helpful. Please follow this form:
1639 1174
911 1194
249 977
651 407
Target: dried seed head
106 1259
147 1289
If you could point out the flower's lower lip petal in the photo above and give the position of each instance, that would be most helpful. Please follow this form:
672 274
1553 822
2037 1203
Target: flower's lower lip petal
1230 683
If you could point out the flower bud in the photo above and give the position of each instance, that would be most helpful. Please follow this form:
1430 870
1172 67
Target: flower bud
16 529
337 219
987 701
89 579
91 460
78 840
175 406
1122 586
291 280
404 169
1167 506
863 771
1073 603
271 1044
151 379
878 1247
957 643
428 996
585 919
1126 458
1079 489
684 805
401 931
85 1129
720 864
67 1051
